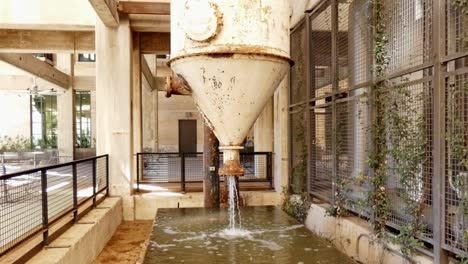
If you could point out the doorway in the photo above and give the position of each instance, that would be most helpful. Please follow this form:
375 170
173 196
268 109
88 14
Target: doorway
188 136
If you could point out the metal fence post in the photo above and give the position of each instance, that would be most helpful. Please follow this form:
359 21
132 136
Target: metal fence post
138 171
75 193
182 171
94 182
270 169
107 174
45 209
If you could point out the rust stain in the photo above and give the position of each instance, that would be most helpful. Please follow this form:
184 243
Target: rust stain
231 168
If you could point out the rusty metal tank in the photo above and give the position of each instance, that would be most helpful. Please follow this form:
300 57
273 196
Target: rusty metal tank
232 55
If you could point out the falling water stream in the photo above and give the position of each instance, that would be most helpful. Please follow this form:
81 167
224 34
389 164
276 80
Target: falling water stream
235 220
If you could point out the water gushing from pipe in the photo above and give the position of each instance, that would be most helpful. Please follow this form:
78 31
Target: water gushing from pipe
234 211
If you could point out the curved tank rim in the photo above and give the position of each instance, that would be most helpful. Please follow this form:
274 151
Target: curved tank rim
231 54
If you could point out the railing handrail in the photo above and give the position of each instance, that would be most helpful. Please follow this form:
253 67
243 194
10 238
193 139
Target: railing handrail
49 216
49 167
199 153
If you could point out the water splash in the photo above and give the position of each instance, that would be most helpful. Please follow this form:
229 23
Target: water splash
233 206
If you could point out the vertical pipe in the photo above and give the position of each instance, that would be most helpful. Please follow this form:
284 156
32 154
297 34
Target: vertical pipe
75 193
210 169
438 184
182 171
45 209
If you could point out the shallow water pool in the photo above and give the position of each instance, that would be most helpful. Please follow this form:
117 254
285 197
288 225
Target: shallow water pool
268 235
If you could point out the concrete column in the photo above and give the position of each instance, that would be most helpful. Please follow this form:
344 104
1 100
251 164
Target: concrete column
281 145
114 107
66 111
263 139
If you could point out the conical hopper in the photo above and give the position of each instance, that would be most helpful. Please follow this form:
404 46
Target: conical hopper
233 58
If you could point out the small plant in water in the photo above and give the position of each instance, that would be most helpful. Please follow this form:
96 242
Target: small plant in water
296 205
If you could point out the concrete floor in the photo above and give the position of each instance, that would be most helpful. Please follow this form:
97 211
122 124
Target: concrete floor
127 243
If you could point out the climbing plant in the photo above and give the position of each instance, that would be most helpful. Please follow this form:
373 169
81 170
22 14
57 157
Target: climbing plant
377 197
299 170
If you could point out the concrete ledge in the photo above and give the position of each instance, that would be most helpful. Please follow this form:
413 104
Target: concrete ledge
83 242
147 204
352 236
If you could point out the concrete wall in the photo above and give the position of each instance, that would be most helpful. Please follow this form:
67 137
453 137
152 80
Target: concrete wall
47 14
15 115
171 110
352 236
86 239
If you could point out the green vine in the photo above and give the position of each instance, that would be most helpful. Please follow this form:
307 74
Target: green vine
377 196
299 171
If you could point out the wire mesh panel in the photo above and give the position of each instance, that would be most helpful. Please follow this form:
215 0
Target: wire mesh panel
408 30
456 162
298 151
321 159
356 25
321 47
101 174
84 174
342 44
20 208
297 73
255 165
352 132
408 133
161 167
457 27
59 191
194 167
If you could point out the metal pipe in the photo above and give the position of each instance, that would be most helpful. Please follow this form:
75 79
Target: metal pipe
210 169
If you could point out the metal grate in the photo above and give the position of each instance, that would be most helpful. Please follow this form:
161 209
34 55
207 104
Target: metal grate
456 162
297 73
32 201
20 208
408 128
60 195
456 28
356 27
408 29
298 128
321 170
321 57
352 132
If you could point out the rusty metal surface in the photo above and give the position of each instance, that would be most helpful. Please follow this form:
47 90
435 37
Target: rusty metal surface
176 85
231 168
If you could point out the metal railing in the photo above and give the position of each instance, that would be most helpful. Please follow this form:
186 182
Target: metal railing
188 168
33 201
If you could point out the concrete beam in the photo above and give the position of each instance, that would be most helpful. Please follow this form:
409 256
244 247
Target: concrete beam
149 8
106 11
150 23
145 69
46 41
155 42
38 68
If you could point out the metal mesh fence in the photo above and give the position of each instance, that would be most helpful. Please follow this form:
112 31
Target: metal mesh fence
59 193
20 208
456 27
352 132
34 200
423 87
408 29
321 159
456 162
298 150
297 73
321 59
408 129
188 167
